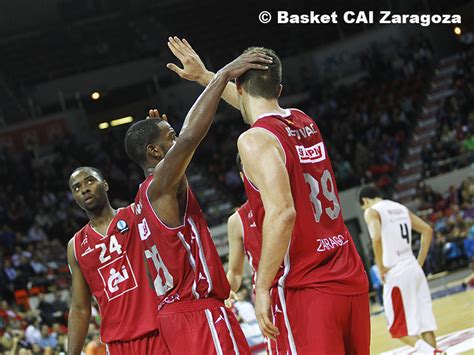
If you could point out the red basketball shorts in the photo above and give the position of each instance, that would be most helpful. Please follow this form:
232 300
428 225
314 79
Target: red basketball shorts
201 327
146 345
313 322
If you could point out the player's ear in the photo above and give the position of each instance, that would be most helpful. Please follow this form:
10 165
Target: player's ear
155 151
106 185
239 87
279 90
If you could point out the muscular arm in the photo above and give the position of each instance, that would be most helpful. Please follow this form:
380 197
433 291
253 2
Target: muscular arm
230 92
236 252
426 234
372 219
80 311
272 180
170 171
195 70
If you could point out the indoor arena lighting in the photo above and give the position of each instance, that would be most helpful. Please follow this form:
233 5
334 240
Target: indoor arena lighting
103 125
95 95
120 121
457 31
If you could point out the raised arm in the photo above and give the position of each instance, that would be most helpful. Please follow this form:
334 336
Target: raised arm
170 171
236 252
195 70
80 310
426 234
257 146
372 219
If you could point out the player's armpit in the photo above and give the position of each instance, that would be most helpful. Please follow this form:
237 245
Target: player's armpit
236 251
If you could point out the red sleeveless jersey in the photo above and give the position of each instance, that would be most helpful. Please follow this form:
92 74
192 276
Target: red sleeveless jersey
251 237
183 261
322 253
114 269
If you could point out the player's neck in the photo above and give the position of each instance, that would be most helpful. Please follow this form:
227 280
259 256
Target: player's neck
375 200
259 107
102 217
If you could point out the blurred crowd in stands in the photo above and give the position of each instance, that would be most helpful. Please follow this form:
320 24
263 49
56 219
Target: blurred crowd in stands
453 145
451 216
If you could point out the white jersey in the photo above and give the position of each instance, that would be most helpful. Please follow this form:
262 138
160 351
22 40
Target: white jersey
396 232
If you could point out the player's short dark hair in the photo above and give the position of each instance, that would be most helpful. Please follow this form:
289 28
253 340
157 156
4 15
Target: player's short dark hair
262 83
139 136
369 191
238 162
97 171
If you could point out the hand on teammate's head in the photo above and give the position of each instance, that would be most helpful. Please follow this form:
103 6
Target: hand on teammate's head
245 62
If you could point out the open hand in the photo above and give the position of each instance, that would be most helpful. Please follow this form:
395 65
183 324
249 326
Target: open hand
263 312
193 67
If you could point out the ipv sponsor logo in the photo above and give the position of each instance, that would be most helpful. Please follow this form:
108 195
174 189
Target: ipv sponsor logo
313 154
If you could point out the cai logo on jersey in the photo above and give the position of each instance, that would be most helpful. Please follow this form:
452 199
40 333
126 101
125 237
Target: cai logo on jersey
143 229
118 277
313 154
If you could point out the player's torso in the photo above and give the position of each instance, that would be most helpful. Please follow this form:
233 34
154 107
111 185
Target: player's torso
183 261
113 267
322 253
396 232
251 237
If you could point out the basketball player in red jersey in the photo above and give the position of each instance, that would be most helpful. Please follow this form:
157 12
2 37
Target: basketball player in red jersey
311 289
106 262
189 279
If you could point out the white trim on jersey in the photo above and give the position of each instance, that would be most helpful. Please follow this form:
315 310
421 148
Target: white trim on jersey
242 226
281 294
268 340
158 218
234 343
215 337
191 261
74 250
286 114
297 109
201 255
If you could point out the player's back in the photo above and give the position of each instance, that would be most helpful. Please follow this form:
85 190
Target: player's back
252 239
396 232
183 261
113 267
322 253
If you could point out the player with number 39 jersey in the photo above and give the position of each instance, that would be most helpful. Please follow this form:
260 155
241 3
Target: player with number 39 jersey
322 253
321 268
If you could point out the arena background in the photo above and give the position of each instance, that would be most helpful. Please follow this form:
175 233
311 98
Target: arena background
395 104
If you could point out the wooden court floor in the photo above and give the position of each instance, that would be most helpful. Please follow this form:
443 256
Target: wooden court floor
453 313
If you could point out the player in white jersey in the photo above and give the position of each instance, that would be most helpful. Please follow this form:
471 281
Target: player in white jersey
407 298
